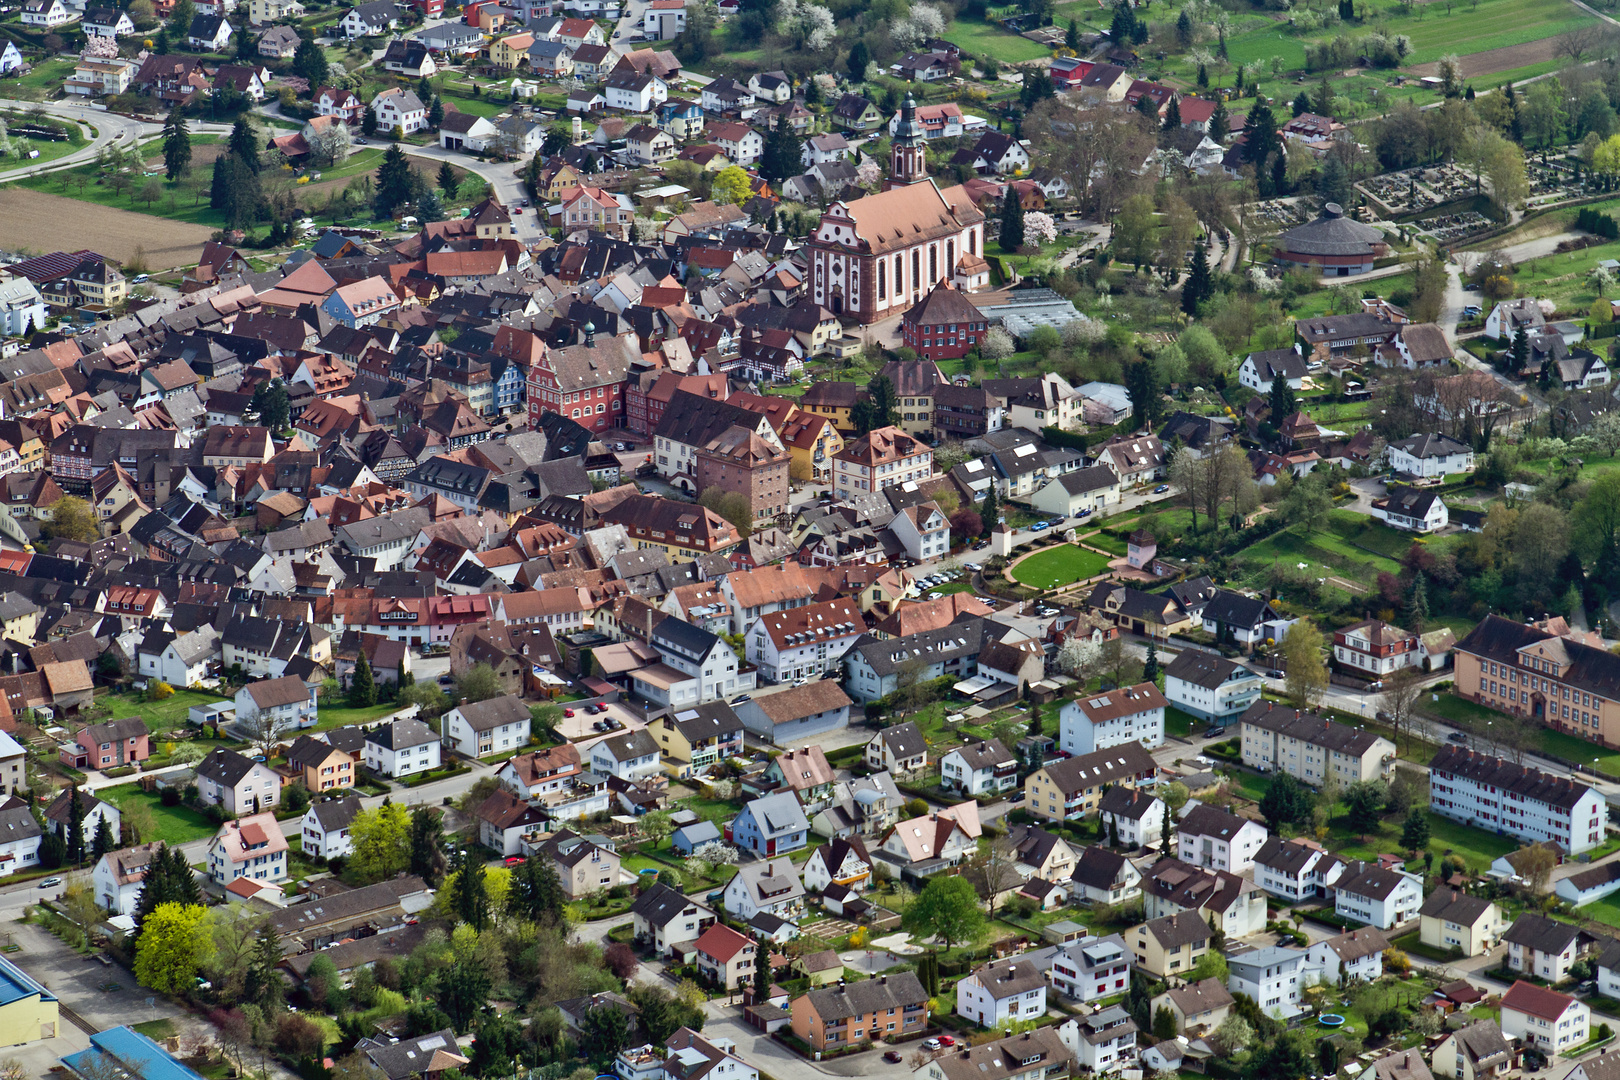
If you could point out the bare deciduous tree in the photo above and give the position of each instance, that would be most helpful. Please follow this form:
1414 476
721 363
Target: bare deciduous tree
1398 702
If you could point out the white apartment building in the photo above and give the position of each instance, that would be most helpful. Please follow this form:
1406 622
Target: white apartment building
1275 738
1134 714
1209 837
1091 968
1002 992
1135 815
1210 687
979 768
1552 1021
1296 869
1378 897
804 642
1516 799
1272 977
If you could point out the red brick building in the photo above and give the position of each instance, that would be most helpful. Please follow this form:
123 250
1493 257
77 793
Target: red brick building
944 325
583 382
741 461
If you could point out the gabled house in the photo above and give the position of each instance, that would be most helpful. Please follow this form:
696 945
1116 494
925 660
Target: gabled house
1383 898
1552 1022
898 749
770 885
237 782
838 862
324 830
1355 954
979 768
1105 877
770 825
251 848
1198 1008
487 727
664 918
1543 947
1210 837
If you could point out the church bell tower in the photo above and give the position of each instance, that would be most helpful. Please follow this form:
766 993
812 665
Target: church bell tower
908 163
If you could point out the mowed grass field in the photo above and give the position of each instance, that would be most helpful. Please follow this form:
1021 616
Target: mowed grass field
1058 566
982 39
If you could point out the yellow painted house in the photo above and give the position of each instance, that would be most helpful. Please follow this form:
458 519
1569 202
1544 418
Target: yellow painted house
1455 920
1171 945
28 1011
508 51
19 616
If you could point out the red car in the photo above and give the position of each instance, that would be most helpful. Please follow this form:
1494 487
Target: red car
568 713
946 1040
513 860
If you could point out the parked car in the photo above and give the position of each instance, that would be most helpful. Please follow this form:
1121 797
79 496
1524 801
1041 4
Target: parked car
1275 674
933 1044
1161 489
50 883
947 1040
1085 513
1040 526
891 1056
1457 736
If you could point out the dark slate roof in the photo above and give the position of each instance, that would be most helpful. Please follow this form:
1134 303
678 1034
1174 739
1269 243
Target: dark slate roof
1097 867
1499 639
867 996
1235 609
1541 933
903 740
1201 668
225 767
1123 801
660 904
1454 906
1313 729
1430 445
1206 820
1330 234
336 813
1371 880
1521 780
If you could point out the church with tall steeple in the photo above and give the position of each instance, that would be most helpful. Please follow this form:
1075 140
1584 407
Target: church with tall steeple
876 256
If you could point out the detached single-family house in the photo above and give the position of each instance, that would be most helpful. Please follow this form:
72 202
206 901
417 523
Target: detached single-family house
899 749
277 705
487 727
770 885
1455 920
324 830
1546 1019
1002 992
665 918
979 768
1198 1008
401 748
1355 954
237 782
770 825
1210 837
251 848
119 875
1378 897
1476 1052
1543 947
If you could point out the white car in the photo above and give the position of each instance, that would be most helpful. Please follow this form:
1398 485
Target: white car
932 1044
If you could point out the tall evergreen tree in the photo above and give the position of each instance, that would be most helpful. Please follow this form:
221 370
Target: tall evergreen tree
176 144
1302 103
368 122
1519 358
1419 616
1184 29
1203 77
244 142
104 841
1143 387
1172 115
1198 287
183 879
427 846
1150 667
780 158
309 62
1071 37
1220 124
394 182
536 893
1279 175
989 509
860 58
263 985
1261 139
1281 399
1012 221
762 967
447 180
362 684
469 896
75 837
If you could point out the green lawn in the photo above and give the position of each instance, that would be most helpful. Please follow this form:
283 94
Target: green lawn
1181 724
339 716
175 824
162 715
1473 716
1059 566
950 587
983 39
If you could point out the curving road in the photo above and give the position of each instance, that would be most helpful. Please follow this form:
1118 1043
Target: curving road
103 129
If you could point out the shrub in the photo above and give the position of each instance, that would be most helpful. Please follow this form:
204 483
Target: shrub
159 690
169 796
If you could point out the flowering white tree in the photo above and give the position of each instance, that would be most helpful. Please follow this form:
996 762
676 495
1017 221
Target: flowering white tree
1082 331
868 173
696 867
717 853
97 47
1078 655
996 344
1039 228
811 25
923 24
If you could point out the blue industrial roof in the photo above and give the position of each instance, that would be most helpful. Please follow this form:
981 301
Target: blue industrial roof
133 1052
15 984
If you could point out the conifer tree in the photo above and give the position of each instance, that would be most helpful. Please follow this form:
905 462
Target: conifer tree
176 144
1012 221
362 684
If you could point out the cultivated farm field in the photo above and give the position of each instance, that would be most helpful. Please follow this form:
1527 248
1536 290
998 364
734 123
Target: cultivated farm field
39 221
